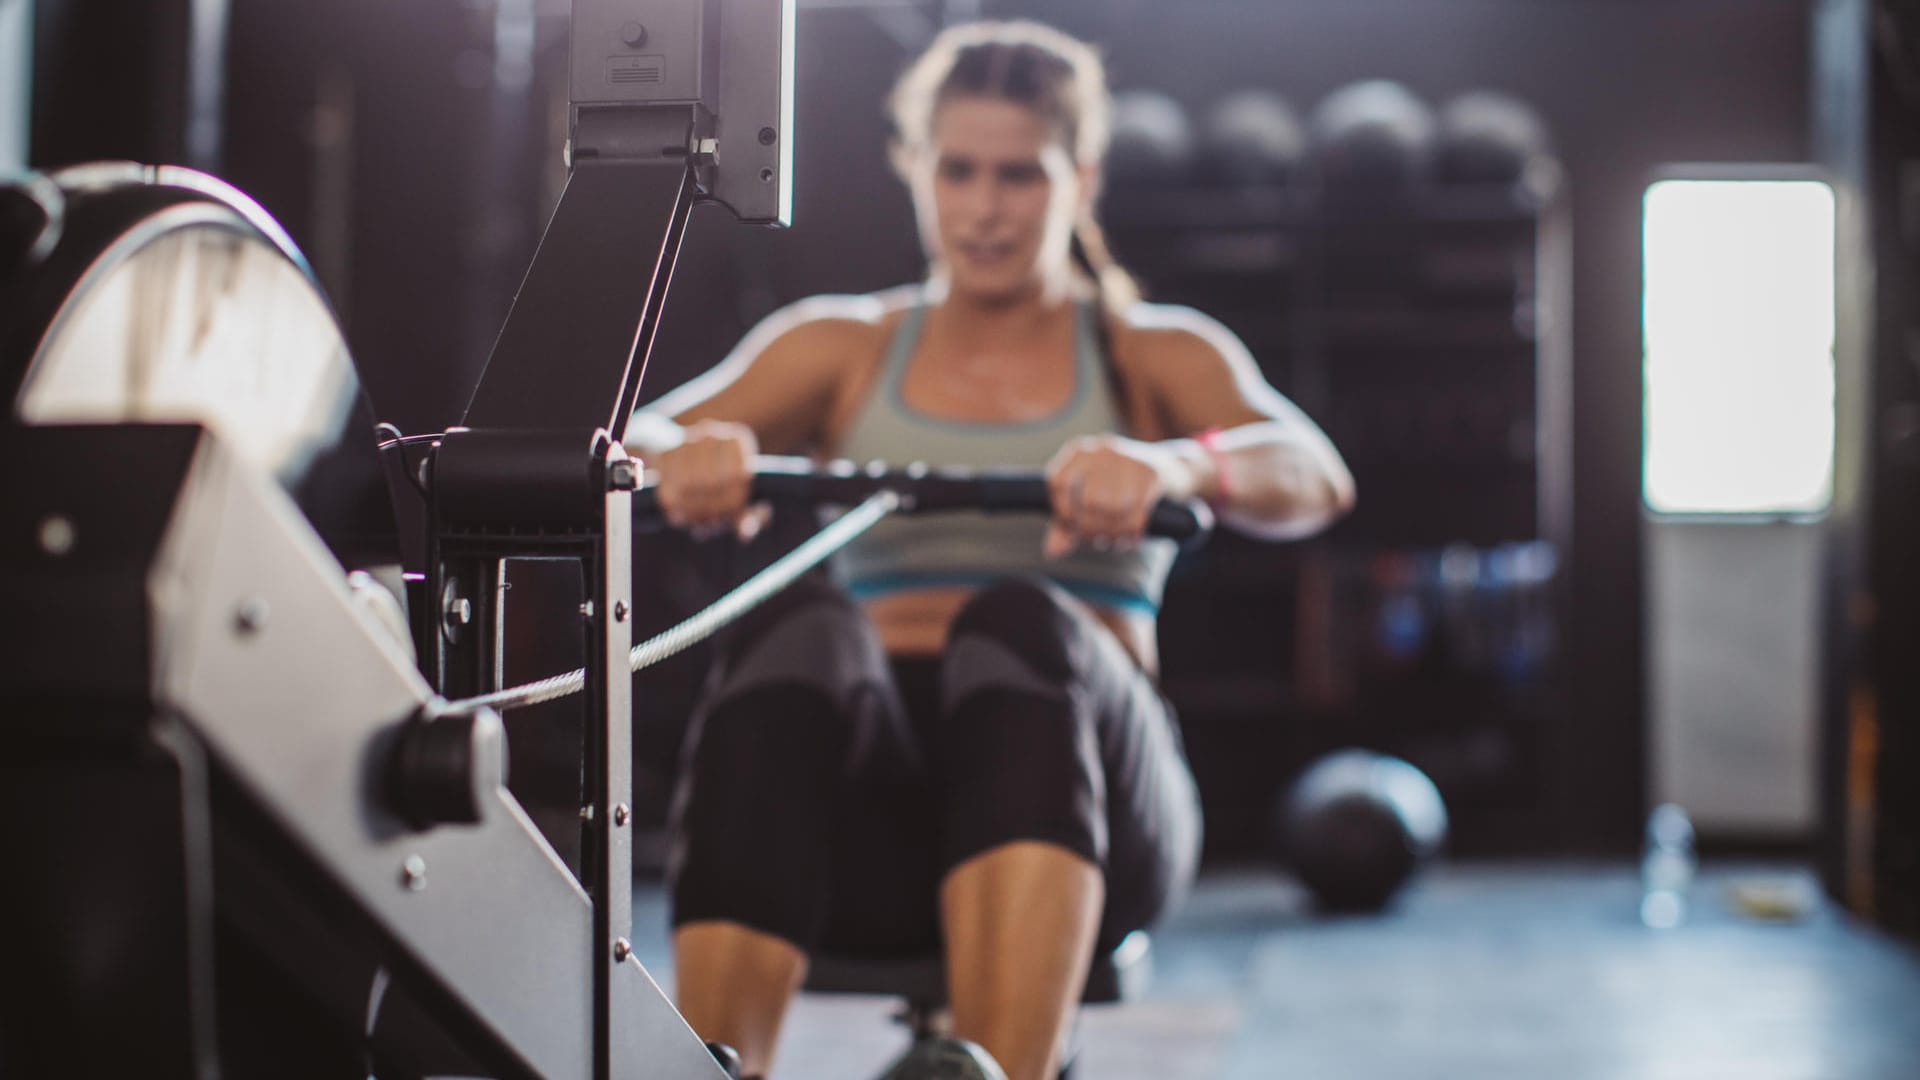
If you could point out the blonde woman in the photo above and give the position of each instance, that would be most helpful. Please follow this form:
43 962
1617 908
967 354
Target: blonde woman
962 745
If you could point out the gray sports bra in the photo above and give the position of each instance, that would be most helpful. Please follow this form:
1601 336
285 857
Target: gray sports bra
972 548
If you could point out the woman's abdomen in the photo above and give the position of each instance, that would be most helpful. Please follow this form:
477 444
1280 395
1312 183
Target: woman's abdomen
914 622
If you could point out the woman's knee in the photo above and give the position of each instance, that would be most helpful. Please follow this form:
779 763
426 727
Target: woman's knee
1014 746
1008 679
1030 617
753 812
1013 765
811 641
812 600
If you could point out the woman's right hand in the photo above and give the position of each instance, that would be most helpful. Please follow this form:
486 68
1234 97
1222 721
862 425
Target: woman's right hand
704 483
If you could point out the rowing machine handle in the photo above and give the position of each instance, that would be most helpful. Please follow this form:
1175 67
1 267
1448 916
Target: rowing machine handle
924 488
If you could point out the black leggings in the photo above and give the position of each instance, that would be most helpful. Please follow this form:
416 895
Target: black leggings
828 789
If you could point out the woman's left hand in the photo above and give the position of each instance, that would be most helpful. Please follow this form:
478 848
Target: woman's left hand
1105 486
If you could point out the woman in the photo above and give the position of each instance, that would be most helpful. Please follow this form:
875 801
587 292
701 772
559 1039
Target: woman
965 745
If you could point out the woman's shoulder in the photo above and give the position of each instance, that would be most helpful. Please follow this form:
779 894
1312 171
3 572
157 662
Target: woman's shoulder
839 323
1151 334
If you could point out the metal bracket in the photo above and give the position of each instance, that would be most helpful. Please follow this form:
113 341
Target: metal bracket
577 338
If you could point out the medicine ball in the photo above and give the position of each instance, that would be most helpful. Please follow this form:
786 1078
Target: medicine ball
1152 142
1373 137
1252 137
1488 137
1357 826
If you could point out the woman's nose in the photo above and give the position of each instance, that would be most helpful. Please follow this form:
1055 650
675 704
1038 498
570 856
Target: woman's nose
982 199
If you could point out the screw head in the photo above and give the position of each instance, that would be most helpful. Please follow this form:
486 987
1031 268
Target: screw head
586 609
413 873
456 611
767 135
634 34
251 616
56 534
623 476
622 948
619 611
621 814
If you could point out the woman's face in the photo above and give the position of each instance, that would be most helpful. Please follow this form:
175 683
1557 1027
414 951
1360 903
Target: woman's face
997 195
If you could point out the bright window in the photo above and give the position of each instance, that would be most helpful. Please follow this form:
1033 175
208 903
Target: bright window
1739 346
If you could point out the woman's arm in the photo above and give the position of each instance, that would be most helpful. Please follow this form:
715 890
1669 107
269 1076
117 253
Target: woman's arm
780 381
1267 469
775 391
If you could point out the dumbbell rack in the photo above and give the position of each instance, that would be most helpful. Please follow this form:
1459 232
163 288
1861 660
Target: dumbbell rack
1426 331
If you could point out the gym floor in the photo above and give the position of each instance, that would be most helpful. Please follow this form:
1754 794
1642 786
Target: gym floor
1482 971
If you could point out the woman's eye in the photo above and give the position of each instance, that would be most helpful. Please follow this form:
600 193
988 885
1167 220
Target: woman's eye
1021 174
956 171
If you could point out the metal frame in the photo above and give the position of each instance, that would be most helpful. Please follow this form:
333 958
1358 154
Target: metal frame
670 104
576 341
296 699
300 702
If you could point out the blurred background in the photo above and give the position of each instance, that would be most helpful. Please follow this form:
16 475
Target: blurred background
1611 305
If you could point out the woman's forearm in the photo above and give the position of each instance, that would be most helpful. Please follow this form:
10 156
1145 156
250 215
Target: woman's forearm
649 433
1269 479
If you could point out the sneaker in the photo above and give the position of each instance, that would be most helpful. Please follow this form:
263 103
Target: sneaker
727 1058
945 1059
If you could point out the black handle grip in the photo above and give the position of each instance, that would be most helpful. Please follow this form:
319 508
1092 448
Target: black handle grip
796 481
924 489
1026 492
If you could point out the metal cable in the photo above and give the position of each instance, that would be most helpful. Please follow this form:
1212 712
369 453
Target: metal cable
778 575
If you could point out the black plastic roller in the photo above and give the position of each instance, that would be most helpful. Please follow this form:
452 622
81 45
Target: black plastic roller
445 769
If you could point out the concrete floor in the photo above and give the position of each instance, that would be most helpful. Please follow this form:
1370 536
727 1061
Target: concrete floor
1486 971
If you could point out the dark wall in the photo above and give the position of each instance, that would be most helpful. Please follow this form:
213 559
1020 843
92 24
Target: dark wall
1868 136
110 80
369 129
1893 524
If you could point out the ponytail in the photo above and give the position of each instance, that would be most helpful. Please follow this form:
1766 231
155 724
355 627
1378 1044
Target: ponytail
1114 291
1114 287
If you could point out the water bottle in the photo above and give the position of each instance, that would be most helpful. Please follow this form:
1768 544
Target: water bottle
1666 868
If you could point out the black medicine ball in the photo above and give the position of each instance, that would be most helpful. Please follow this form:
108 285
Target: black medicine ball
1252 137
1357 826
1152 142
1489 138
1373 137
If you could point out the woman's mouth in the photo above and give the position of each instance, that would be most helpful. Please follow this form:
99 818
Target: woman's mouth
982 253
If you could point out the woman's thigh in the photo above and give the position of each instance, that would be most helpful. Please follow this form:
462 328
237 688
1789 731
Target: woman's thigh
1050 731
795 802
886 858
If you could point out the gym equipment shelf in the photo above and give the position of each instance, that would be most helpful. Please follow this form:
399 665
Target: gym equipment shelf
1421 329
